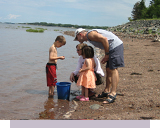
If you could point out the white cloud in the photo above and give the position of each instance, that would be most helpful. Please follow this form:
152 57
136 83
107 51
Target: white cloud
11 16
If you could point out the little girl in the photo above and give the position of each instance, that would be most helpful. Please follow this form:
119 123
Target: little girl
87 76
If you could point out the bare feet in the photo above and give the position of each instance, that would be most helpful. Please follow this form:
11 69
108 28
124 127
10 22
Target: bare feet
50 95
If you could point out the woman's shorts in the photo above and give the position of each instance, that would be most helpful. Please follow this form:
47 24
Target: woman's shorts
51 74
116 58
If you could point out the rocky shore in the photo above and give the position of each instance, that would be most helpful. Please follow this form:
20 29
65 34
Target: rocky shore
141 29
139 26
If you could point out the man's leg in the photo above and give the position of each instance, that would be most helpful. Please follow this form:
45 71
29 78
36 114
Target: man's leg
114 83
115 80
107 89
108 81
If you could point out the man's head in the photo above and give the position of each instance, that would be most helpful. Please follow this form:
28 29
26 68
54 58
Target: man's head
78 32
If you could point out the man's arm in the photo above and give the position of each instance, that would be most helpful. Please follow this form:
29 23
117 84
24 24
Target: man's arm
95 36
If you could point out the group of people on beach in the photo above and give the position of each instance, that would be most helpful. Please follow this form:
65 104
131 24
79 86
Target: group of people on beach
88 63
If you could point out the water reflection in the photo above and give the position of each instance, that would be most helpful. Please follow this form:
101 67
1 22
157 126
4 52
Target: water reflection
49 108
56 108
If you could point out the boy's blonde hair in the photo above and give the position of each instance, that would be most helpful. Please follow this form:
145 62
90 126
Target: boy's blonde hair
61 39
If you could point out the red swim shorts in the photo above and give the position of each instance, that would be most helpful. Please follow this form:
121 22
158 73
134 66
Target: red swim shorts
51 74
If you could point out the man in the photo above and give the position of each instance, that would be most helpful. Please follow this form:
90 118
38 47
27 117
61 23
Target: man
113 48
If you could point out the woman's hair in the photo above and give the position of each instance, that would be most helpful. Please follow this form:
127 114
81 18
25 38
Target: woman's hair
88 52
81 45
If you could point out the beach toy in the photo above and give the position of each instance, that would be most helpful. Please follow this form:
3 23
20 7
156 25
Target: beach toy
63 90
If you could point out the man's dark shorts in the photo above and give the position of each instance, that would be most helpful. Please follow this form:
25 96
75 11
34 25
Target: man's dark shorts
116 58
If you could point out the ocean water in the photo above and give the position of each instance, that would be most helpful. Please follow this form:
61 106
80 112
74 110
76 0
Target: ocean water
23 89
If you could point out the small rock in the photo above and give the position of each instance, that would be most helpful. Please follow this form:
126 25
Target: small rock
95 106
67 116
120 94
52 109
147 118
158 105
134 73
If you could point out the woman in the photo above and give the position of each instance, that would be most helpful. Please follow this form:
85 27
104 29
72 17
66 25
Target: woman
75 74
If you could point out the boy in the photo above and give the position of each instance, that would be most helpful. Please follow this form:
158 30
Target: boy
52 63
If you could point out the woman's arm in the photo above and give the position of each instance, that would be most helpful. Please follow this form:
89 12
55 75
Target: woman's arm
79 65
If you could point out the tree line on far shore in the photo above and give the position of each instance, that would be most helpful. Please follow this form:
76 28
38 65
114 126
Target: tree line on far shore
140 11
68 25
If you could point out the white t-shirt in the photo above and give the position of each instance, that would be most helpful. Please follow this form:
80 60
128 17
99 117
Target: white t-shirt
98 68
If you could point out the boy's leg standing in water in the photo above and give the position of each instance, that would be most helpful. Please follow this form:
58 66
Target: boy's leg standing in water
51 91
51 78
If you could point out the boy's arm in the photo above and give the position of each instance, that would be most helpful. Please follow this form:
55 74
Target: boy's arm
53 55
87 66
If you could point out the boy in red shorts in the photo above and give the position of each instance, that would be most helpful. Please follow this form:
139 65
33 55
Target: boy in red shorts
52 63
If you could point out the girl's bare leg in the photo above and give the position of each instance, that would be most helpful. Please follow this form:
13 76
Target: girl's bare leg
83 91
86 92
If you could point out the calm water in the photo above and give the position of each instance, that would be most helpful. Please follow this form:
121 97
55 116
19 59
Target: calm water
23 90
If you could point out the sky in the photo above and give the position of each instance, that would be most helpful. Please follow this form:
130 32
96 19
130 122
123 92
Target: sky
77 12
